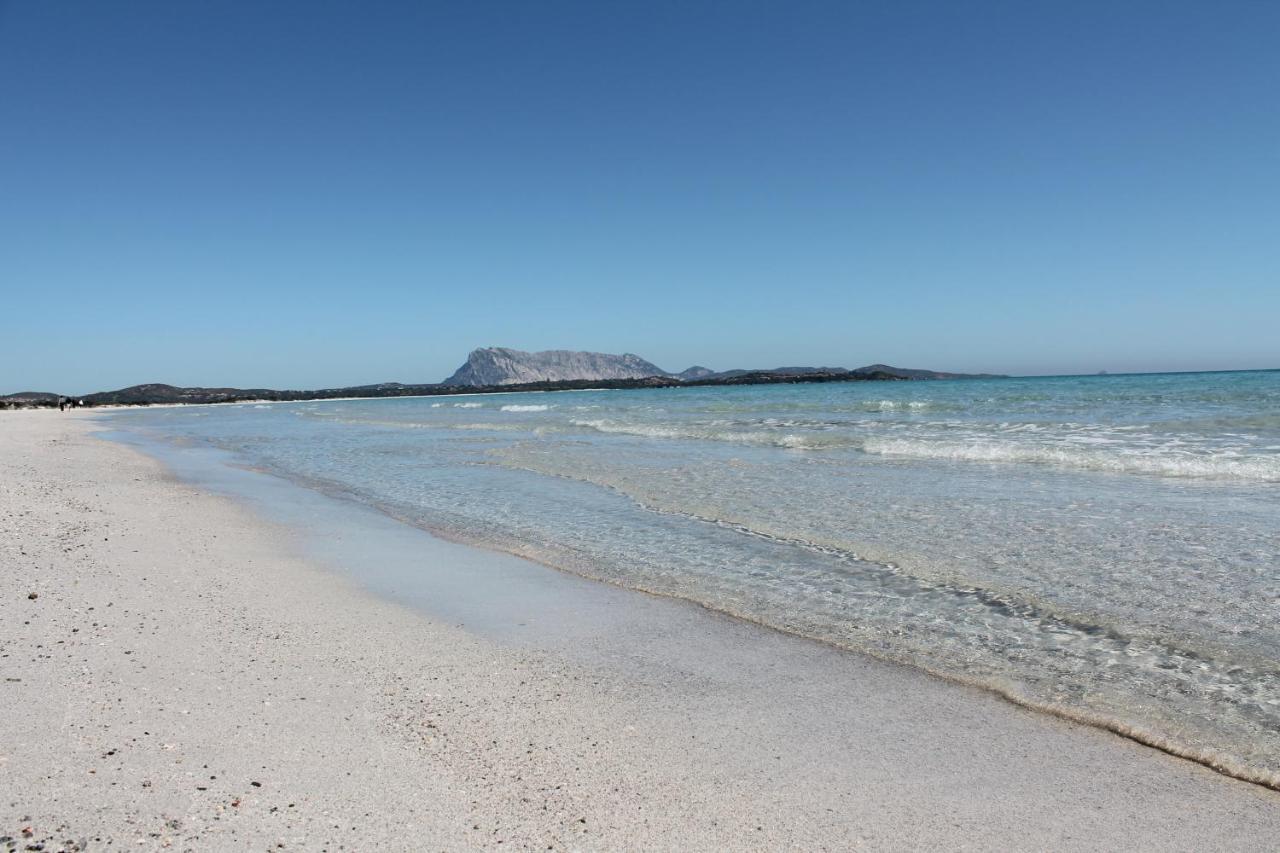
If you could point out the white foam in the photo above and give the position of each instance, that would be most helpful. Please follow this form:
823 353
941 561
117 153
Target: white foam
515 408
1222 465
467 405
1081 451
709 432
896 405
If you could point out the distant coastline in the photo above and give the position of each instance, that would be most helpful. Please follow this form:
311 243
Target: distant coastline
157 394
169 395
631 372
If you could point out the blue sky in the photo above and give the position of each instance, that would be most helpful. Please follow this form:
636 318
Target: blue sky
325 193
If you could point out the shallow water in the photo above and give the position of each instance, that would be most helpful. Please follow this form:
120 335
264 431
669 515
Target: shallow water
1105 547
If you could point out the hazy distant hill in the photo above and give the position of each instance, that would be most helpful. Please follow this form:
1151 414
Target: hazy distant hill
876 371
774 371
502 366
911 373
154 393
29 398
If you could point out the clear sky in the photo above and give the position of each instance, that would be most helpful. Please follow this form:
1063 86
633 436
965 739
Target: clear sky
297 194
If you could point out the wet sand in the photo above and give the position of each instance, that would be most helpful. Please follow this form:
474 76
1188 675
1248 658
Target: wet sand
284 670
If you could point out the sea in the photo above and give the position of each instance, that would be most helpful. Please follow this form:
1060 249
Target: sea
1103 548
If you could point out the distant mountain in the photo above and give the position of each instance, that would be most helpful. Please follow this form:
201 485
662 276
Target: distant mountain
502 366
499 366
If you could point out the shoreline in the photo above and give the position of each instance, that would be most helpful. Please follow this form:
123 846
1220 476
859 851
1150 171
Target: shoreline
1226 763
617 720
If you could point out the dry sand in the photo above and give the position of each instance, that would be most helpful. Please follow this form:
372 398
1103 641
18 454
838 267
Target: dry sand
183 678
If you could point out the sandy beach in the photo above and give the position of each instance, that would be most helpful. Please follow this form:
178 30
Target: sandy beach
181 672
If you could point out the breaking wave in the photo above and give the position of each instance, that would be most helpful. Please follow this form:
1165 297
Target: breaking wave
761 437
1229 465
1152 460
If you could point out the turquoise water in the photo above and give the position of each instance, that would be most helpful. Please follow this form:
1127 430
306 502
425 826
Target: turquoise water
1102 547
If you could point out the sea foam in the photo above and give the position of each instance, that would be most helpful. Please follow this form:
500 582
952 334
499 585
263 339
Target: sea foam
1226 465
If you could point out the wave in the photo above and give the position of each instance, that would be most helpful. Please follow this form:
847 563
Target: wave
1229 465
898 405
488 426
1171 461
467 405
764 438
518 408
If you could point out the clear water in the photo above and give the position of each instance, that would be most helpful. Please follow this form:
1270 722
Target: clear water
1104 547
